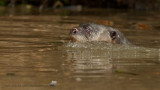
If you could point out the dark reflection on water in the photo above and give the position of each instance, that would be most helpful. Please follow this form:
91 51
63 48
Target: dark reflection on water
34 50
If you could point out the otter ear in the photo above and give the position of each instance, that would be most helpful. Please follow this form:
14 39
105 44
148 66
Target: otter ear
113 34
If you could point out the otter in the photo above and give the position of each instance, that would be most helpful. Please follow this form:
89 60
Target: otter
95 32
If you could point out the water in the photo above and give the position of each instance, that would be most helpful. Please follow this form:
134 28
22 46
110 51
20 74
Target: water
36 50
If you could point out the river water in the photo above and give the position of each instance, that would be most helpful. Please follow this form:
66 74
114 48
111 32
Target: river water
36 49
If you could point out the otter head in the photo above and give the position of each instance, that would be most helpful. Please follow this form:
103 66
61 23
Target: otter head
81 33
96 32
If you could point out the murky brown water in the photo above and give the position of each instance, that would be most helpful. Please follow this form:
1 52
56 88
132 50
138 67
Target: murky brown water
34 50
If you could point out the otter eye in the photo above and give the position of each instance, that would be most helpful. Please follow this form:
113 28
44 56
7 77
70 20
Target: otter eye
113 34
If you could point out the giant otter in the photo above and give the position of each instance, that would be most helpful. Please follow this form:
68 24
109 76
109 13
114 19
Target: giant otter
95 32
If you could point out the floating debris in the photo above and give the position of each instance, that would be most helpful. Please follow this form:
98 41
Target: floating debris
10 74
124 72
142 26
78 79
53 83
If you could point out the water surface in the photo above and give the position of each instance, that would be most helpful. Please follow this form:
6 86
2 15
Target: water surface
34 50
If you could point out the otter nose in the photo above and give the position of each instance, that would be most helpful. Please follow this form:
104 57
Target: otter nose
74 30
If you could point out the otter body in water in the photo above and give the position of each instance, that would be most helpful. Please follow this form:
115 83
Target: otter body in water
95 32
